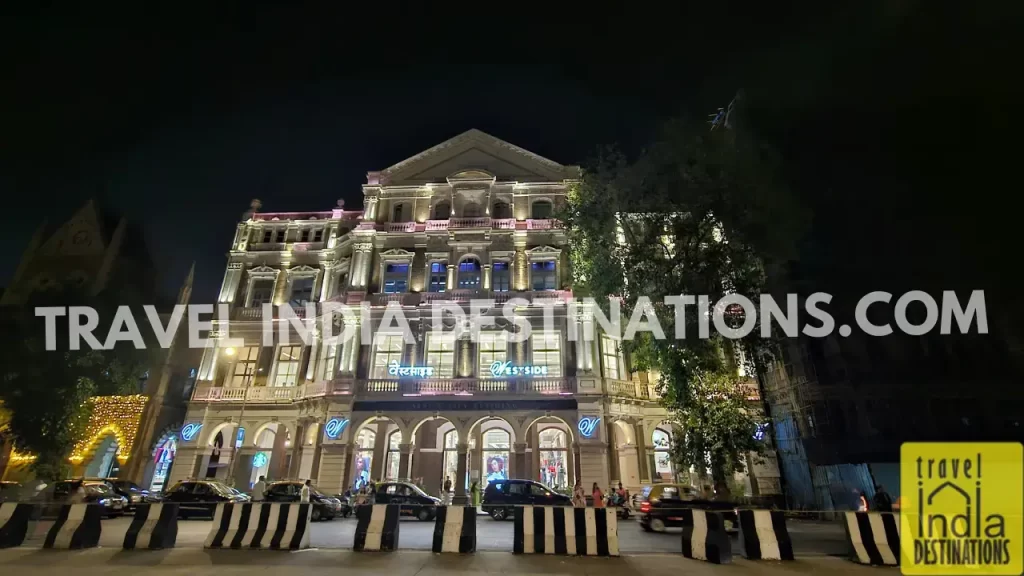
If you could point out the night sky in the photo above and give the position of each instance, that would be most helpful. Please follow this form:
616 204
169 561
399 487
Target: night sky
179 118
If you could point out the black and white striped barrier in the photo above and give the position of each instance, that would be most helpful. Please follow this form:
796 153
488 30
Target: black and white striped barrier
455 529
154 527
873 537
269 525
376 528
564 530
15 520
763 535
705 538
78 526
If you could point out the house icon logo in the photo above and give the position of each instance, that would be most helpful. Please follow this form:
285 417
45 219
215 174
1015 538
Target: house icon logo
962 508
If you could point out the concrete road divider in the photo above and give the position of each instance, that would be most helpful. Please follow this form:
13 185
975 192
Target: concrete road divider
564 530
154 527
376 528
78 526
873 537
455 529
705 538
14 523
763 535
269 525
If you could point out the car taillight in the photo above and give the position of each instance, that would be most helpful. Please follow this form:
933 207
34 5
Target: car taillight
645 507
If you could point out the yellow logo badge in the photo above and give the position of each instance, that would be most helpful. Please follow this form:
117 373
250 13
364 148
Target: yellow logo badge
962 508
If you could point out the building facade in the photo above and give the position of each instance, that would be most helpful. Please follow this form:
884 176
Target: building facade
471 218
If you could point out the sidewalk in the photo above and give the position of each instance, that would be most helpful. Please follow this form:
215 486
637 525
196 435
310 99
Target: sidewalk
193 562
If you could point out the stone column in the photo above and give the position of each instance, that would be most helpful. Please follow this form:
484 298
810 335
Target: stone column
451 275
464 367
644 454
229 288
461 474
534 459
318 446
614 472
486 276
519 464
380 452
404 457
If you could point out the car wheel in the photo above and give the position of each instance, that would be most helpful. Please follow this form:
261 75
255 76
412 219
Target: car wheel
498 514
657 524
316 514
423 514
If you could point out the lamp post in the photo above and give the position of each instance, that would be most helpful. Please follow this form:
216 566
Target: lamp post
232 466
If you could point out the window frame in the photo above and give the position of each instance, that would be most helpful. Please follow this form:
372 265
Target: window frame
381 371
278 363
436 356
554 371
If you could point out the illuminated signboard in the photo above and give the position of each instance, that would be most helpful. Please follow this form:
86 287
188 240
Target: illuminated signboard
506 369
760 432
189 431
334 427
588 426
240 437
406 371
260 459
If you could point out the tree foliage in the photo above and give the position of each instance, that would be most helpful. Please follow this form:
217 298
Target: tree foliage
46 391
697 213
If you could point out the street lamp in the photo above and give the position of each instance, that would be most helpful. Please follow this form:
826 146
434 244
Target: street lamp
232 466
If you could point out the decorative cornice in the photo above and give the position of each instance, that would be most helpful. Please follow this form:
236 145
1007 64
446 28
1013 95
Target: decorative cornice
264 270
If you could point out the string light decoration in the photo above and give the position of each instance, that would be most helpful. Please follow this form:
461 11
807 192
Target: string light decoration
117 415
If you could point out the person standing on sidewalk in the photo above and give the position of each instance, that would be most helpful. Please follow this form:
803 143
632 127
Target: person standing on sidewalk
579 498
447 499
598 496
304 493
258 489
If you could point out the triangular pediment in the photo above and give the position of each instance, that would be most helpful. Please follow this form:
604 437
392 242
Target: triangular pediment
475 152
81 235
264 269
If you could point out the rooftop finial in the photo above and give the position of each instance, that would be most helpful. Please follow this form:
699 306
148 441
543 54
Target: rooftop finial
341 203
255 205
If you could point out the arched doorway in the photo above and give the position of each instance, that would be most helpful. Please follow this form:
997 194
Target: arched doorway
377 453
554 457
163 459
435 455
272 457
628 456
663 469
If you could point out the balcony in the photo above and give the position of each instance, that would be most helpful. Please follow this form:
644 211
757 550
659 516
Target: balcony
274 394
543 224
627 389
255 313
466 387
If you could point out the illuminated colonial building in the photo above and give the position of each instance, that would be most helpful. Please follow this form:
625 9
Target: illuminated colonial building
468 219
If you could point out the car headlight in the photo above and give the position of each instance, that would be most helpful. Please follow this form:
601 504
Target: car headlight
136 498
104 501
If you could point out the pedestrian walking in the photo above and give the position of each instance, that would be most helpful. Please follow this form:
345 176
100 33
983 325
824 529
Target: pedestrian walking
259 488
579 498
304 493
447 490
474 492
862 501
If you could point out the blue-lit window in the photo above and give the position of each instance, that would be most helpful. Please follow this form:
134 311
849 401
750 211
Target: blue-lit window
469 274
438 276
501 277
543 275
396 278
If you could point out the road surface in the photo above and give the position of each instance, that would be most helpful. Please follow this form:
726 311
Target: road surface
809 538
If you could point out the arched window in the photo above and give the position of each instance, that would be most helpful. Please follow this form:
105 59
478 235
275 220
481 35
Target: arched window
393 461
541 210
495 454
451 457
501 210
442 210
401 213
554 461
218 443
364 456
662 441
469 274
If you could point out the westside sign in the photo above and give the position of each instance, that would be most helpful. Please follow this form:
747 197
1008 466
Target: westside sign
506 369
405 371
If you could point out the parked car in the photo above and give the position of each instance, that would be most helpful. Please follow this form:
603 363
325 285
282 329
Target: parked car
663 504
130 490
502 496
412 500
10 492
324 507
99 493
200 497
